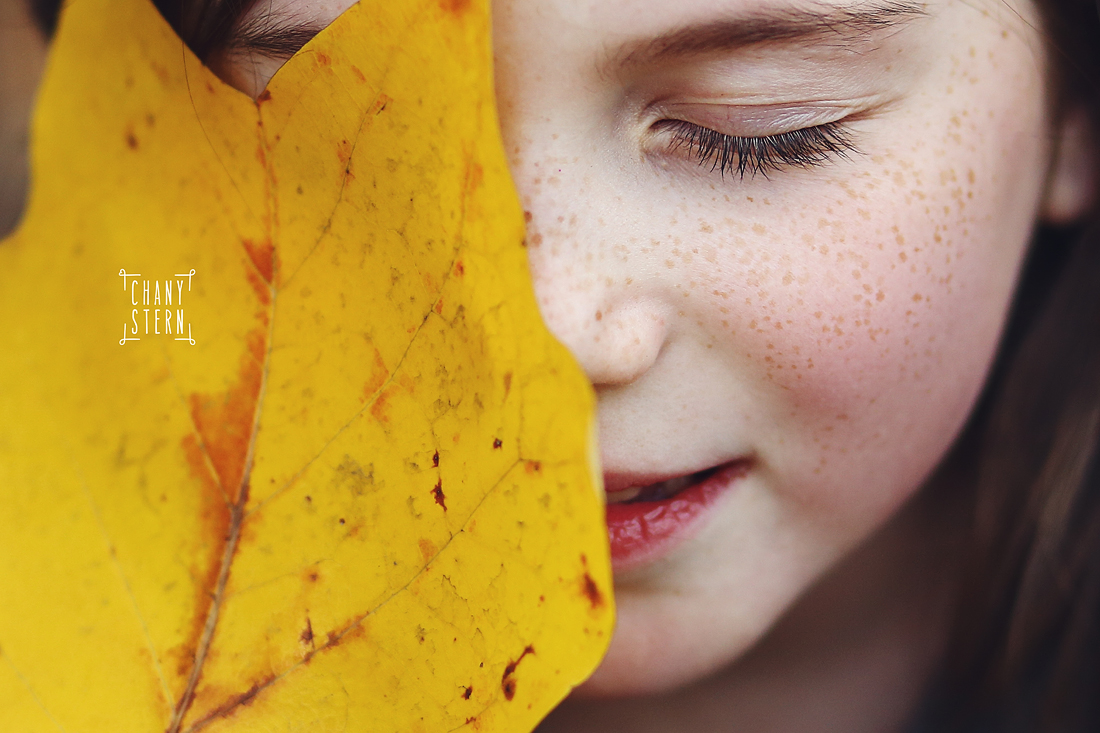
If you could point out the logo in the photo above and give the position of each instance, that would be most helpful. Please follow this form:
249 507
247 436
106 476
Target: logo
161 313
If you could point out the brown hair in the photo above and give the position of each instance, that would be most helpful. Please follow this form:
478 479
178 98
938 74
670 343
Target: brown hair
1026 648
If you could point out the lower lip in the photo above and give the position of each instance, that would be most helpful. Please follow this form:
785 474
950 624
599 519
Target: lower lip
643 532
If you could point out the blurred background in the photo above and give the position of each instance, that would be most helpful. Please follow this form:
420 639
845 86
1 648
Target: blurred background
22 54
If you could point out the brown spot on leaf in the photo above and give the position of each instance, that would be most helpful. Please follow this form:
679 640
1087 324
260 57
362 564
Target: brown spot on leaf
435 460
460 269
437 492
467 692
230 706
592 591
496 443
507 383
307 633
265 96
508 682
131 141
358 74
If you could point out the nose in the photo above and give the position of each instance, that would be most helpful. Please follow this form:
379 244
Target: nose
588 296
615 341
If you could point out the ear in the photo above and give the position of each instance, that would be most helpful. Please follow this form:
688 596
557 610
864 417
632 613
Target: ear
1072 182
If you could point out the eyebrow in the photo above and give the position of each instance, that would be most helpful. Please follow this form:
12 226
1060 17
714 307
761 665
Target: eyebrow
271 35
845 26
848 25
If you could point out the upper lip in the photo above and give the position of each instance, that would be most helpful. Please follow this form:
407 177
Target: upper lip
622 480
613 482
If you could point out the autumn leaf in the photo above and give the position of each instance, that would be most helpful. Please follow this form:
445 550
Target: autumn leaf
330 471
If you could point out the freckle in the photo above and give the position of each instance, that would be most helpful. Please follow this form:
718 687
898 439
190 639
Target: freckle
880 296
599 316
917 297
759 228
902 256
855 274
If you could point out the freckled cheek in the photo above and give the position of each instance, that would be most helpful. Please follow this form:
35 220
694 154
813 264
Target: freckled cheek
886 321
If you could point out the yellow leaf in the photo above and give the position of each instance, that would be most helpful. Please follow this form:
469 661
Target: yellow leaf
363 499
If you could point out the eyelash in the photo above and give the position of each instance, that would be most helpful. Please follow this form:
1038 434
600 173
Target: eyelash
803 148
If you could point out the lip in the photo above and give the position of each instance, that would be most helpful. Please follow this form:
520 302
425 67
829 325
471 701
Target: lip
642 532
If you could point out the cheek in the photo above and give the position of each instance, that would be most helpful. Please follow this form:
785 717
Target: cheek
868 319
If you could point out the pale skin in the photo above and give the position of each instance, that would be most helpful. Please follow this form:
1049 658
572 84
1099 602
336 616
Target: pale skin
834 323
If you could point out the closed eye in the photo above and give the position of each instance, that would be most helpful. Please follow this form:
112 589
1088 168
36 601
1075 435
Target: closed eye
802 148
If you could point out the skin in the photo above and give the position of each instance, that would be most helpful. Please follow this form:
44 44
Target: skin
833 324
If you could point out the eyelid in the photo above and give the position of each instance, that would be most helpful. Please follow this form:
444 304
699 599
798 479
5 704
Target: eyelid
753 120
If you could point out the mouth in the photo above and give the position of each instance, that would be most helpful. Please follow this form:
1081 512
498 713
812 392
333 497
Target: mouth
648 516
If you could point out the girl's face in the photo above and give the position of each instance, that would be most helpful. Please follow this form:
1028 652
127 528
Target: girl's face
822 316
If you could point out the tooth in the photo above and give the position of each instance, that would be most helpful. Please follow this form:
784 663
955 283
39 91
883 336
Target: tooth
618 497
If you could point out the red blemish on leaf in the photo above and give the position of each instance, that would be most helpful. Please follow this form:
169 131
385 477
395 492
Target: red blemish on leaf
435 460
497 443
262 290
378 377
380 407
475 175
224 421
343 151
223 430
358 74
457 7
533 467
323 59
467 692
353 630
439 307
265 96
437 492
262 255
508 682
460 269
427 549
215 515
